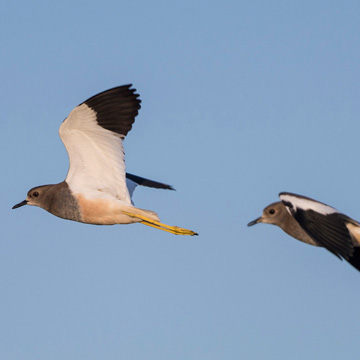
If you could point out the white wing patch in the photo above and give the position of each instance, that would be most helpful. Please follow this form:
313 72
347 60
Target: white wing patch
307 204
97 160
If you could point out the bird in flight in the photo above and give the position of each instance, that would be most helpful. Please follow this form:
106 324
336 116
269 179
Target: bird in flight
97 189
315 223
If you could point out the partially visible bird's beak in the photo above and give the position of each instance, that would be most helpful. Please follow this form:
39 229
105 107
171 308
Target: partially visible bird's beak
20 204
254 222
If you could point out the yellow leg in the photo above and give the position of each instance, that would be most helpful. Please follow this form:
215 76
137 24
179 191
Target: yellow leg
158 225
160 228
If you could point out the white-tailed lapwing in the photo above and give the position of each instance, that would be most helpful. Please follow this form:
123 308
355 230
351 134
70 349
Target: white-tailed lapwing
95 190
316 224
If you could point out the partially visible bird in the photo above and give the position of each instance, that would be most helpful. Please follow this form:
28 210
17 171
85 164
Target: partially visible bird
315 223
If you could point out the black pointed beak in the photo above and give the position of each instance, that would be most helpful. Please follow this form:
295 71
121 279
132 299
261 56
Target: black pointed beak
20 204
254 222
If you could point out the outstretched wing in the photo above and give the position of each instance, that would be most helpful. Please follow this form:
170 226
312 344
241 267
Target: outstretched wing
93 134
132 181
322 223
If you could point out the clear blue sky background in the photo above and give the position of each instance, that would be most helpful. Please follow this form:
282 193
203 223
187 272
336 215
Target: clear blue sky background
240 100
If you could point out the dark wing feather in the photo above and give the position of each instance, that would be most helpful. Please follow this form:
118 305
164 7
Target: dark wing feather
329 231
149 183
354 260
116 108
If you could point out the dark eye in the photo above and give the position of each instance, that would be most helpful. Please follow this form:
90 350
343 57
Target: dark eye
271 211
35 194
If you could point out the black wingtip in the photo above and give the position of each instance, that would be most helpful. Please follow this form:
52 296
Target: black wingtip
149 183
116 108
355 259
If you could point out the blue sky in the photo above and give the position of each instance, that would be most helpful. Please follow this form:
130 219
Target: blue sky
240 101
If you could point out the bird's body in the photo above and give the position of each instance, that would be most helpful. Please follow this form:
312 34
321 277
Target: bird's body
315 223
97 189
59 200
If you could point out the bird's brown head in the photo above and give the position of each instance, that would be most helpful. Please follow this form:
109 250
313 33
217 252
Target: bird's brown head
274 214
37 196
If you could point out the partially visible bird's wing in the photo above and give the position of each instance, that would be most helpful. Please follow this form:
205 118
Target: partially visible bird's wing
322 223
355 258
132 181
93 134
354 228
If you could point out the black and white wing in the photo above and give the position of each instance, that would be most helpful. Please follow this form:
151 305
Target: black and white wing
324 224
93 134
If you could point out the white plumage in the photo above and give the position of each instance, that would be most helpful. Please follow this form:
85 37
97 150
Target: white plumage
96 155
